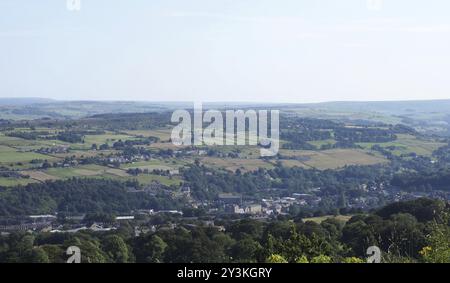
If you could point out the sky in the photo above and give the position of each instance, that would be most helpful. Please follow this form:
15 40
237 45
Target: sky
295 51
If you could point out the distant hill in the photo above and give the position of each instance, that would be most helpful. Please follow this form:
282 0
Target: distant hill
430 116
391 107
24 101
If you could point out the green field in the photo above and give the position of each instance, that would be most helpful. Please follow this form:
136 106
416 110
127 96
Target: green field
106 138
232 164
83 153
11 182
149 178
406 144
319 143
163 134
334 158
39 176
12 141
29 145
293 163
320 219
82 171
16 153
11 155
93 171
162 164
16 150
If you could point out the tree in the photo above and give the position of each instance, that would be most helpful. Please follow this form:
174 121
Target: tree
104 146
116 249
358 236
38 255
225 244
275 258
154 249
21 247
246 250
302 259
90 249
402 235
422 209
55 253
321 259
438 245
298 245
352 260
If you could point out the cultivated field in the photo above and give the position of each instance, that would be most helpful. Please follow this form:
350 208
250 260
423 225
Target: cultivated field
11 155
163 135
232 164
320 219
406 144
11 182
334 158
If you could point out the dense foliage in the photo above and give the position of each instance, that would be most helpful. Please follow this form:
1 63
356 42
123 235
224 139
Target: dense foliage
404 232
78 196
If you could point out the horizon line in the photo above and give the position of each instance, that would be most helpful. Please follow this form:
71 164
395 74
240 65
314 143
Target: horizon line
218 102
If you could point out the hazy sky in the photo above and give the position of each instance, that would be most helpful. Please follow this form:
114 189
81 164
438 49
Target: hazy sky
226 50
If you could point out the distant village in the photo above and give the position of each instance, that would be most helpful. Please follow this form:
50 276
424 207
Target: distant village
225 205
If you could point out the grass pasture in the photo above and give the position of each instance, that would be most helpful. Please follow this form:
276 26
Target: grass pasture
15 142
11 182
320 219
83 153
81 171
334 158
40 176
11 155
163 134
293 163
319 143
166 145
109 139
232 164
146 179
86 171
406 144
150 168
